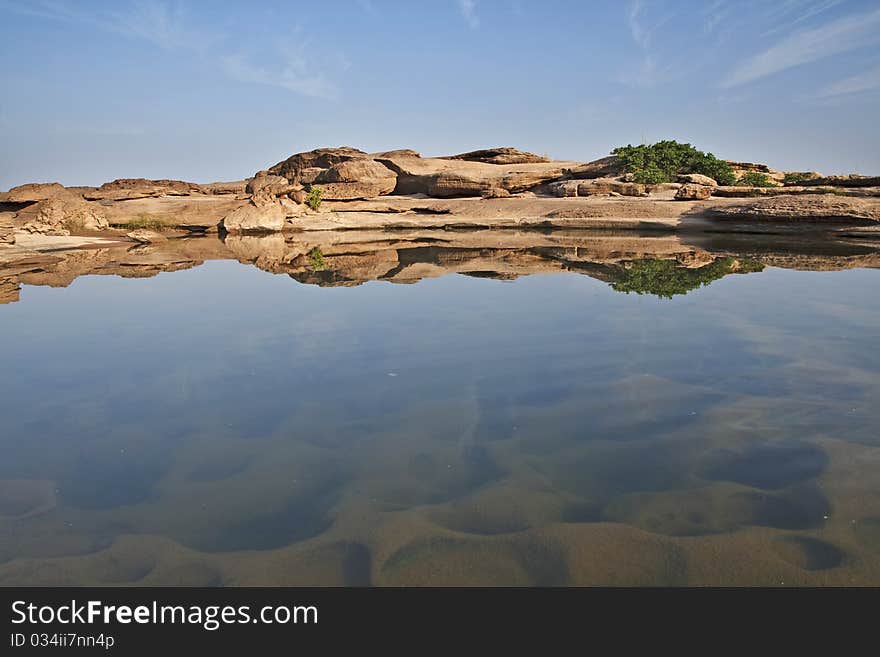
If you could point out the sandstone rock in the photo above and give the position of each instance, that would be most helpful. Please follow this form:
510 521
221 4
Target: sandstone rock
850 180
597 187
60 214
7 230
234 187
323 158
265 189
601 168
132 188
503 155
145 236
31 193
741 168
605 186
356 179
250 218
693 192
309 175
696 179
736 191
564 188
400 152
807 207
450 183
495 192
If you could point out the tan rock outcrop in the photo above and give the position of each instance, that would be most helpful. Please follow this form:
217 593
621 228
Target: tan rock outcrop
693 192
251 218
850 180
132 188
265 188
356 179
504 155
31 193
7 229
60 214
696 179
602 168
818 207
742 168
322 158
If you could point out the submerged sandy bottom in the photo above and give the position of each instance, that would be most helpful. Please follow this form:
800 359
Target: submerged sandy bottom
458 432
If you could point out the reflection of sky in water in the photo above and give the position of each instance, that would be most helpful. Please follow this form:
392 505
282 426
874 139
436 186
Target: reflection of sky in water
460 421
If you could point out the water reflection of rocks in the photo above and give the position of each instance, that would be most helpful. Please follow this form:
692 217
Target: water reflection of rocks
653 263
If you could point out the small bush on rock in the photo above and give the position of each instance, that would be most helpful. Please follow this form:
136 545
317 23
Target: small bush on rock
756 179
313 199
796 177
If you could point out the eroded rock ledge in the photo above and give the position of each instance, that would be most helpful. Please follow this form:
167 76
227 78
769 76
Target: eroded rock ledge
346 188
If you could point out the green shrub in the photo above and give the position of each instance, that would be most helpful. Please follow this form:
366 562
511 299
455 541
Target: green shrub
143 220
756 179
316 260
663 161
797 177
313 200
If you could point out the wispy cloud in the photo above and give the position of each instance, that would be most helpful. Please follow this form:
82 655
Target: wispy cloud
168 27
468 11
839 36
642 29
294 75
867 81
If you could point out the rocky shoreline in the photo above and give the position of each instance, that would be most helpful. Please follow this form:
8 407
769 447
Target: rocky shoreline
333 189
349 258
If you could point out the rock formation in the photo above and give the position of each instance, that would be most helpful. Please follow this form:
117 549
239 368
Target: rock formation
7 230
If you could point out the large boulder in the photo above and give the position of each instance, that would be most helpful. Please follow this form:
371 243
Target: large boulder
742 168
266 188
356 179
598 187
322 158
132 188
32 192
696 179
693 192
60 214
445 178
503 155
601 168
250 218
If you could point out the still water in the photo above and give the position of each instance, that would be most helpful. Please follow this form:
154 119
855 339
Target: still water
226 425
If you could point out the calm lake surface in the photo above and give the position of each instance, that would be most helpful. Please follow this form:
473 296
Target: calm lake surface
223 425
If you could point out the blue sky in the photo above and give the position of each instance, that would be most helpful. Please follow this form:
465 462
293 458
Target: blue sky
217 90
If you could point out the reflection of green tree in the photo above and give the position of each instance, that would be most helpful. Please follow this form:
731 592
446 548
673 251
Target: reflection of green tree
666 278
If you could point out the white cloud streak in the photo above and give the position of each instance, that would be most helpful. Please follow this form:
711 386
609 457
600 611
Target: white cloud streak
868 81
839 36
166 26
468 11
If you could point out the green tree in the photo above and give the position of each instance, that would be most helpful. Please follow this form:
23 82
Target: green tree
663 161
